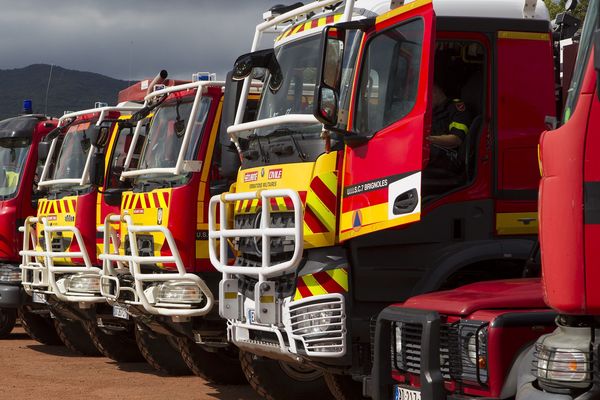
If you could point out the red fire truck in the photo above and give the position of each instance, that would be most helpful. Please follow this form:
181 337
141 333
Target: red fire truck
156 269
339 213
565 364
59 264
19 139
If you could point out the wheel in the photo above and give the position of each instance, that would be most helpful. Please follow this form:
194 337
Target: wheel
277 380
119 346
74 335
8 318
38 327
220 367
161 353
343 387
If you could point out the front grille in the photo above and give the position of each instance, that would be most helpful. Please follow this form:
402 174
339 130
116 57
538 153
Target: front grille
145 245
59 243
250 248
319 325
454 351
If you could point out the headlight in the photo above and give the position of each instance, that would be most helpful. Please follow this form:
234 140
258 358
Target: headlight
83 283
474 342
397 344
10 273
317 320
564 365
180 292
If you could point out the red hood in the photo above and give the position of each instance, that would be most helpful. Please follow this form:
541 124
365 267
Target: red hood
504 294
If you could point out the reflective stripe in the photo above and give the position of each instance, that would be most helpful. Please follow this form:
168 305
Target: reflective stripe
459 126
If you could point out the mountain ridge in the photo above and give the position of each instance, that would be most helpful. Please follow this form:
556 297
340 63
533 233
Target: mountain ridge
69 89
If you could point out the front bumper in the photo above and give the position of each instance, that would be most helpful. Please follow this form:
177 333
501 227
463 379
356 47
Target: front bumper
311 328
47 278
143 291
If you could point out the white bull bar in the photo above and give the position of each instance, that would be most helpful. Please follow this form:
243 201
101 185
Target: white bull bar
44 274
218 237
135 261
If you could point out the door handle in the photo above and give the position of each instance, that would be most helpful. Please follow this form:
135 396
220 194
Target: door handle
406 202
526 221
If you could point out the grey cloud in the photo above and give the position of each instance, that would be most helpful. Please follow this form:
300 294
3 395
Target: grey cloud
129 38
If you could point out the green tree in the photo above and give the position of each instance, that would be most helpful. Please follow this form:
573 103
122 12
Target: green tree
558 7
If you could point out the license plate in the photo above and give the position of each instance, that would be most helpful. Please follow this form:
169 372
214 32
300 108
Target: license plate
401 393
251 316
120 312
39 298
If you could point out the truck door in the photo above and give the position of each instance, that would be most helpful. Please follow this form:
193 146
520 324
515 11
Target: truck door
389 115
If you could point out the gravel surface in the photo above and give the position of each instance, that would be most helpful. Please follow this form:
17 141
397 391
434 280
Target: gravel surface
30 370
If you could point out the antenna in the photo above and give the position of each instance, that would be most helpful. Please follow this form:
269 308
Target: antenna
48 90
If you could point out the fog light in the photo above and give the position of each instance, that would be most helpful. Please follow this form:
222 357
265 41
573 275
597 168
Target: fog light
10 273
179 292
83 283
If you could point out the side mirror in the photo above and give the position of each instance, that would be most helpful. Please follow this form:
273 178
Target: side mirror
98 135
245 64
43 150
327 106
330 73
97 170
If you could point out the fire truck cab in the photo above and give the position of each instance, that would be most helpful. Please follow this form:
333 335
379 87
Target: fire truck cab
564 364
338 211
19 139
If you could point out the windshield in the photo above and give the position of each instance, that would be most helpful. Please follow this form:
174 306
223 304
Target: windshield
167 129
298 61
13 154
583 55
73 153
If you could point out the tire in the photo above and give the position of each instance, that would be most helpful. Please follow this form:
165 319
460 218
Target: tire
76 338
343 387
160 352
38 327
8 319
220 367
276 380
118 346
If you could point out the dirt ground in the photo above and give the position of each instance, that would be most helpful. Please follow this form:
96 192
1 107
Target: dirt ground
30 370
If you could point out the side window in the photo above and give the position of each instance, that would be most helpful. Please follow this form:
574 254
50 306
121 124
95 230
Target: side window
389 77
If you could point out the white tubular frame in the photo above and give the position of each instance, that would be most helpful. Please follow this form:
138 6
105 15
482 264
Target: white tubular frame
85 174
266 27
265 232
49 270
180 165
135 261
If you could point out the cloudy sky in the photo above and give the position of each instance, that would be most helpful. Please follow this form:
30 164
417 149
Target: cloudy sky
129 39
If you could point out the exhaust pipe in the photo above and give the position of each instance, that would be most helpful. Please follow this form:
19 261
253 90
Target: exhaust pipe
160 78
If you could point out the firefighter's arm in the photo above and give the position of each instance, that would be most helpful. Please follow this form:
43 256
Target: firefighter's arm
449 140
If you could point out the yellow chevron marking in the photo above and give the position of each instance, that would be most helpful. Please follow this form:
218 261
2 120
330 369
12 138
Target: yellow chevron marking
143 199
339 275
314 286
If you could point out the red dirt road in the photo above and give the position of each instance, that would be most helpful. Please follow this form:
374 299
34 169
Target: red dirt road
30 370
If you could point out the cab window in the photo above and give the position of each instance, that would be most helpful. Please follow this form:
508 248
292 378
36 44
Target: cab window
389 77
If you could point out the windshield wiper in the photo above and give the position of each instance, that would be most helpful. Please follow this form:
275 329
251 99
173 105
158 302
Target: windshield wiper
146 110
289 132
263 155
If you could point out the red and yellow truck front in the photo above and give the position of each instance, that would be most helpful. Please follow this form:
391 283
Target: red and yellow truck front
59 251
